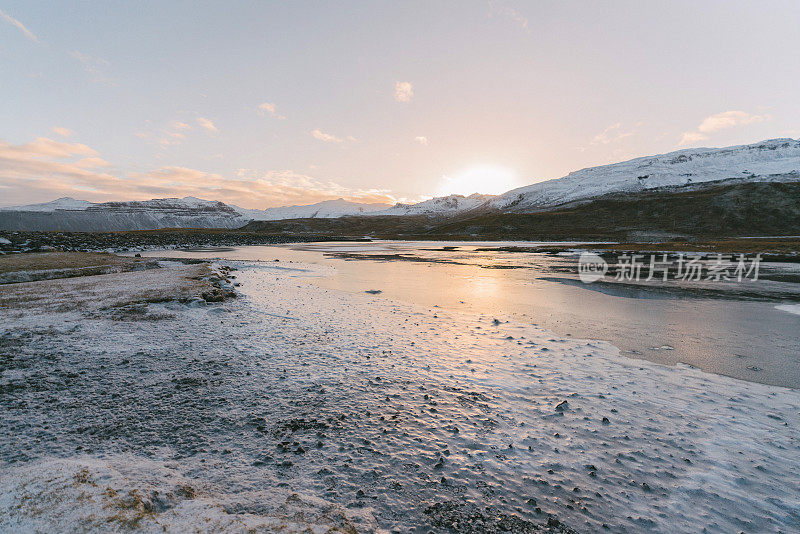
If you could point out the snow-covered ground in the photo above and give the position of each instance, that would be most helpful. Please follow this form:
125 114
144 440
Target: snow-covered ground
296 405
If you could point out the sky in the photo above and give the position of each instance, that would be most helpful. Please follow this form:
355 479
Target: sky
264 104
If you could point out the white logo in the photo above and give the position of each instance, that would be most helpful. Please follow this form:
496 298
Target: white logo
591 267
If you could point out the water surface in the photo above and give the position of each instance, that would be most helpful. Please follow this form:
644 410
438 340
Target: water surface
724 332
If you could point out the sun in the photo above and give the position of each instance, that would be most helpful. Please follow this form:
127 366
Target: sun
487 179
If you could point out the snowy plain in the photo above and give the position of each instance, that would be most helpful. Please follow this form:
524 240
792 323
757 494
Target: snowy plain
300 407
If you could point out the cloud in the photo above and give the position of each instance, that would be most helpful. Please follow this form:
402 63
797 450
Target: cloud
48 167
45 169
329 138
403 91
729 119
94 66
171 135
44 148
92 162
14 22
63 132
207 125
612 134
687 138
421 139
268 107
510 13
286 187
720 121
175 132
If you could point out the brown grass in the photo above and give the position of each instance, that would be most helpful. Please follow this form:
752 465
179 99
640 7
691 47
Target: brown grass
43 261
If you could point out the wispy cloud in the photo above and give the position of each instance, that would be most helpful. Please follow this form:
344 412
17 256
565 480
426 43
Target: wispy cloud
44 148
612 134
728 119
207 125
45 169
330 138
403 91
173 134
94 66
269 108
179 126
14 22
720 121
63 132
498 8
421 139
688 138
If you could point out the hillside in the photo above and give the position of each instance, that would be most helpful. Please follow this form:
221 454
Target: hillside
765 161
719 209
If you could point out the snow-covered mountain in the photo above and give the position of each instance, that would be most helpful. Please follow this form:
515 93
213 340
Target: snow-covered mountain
327 209
767 160
449 205
64 203
68 214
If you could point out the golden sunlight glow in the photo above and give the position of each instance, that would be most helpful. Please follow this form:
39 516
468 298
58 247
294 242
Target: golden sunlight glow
491 180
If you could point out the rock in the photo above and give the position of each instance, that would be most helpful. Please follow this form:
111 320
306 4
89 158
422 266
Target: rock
562 406
196 302
373 291
213 296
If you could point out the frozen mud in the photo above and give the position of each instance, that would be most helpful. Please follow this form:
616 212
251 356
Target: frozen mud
296 407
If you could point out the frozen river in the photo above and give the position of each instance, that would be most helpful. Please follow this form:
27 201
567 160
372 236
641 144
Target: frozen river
720 332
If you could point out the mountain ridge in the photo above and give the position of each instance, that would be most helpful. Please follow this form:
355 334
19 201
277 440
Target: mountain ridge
769 160
681 167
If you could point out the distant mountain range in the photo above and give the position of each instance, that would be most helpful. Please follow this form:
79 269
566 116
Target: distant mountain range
775 160
71 215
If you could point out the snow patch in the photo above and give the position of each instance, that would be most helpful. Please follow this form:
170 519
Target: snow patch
123 493
791 308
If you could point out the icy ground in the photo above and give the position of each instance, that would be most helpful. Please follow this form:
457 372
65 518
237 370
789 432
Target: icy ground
296 406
